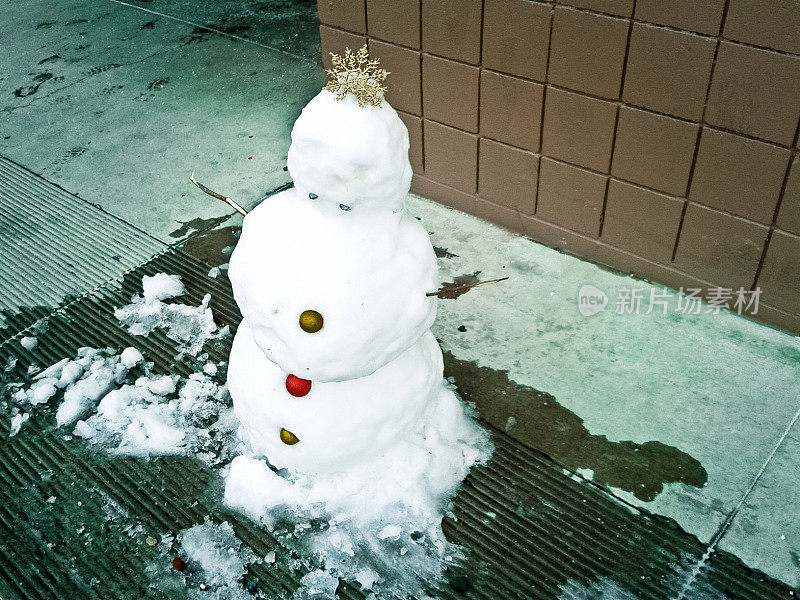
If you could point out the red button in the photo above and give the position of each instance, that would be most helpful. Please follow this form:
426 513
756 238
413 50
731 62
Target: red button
297 387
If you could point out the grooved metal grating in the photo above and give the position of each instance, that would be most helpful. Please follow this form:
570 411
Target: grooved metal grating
73 521
54 246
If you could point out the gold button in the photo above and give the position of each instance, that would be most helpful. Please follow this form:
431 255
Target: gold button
288 438
311 321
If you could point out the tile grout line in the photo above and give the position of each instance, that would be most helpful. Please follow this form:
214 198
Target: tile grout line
701 124
479 144
729 519
541 112
619 105
217 31
366 23
421 97
694 279
689 180
421 91
723 528
781 194
618 102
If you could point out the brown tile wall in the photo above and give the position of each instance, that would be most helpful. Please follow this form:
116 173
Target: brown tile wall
658 137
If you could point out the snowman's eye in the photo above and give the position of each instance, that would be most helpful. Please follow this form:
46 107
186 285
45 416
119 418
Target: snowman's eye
313 196
344 207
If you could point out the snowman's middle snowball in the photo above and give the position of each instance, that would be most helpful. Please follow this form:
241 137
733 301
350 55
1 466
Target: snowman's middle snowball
367 275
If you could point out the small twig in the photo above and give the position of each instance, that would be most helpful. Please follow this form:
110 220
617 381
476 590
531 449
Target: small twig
218 196
460 289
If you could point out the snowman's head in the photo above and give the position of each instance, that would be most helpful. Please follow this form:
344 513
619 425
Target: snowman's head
350 157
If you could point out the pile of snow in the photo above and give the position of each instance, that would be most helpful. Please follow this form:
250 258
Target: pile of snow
316 585
190 326
153 414
149 418
416 476
220 555
150 414
85 379
216 564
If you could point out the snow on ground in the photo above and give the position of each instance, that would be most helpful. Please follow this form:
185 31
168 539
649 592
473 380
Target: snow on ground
17 420
116 401
215 551
29 343
190 326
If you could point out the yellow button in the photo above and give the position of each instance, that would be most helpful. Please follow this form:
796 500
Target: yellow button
288 438
311 321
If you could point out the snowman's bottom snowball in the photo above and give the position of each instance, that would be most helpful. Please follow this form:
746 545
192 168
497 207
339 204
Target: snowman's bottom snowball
408 487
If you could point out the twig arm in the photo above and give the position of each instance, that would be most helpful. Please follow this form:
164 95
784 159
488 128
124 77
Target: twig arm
460 289
218 196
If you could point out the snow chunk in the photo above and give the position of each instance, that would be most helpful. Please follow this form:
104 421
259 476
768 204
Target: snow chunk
142 425
390 531
39 393
29 343
146 419
221 555
161 386
53 370
70 373
162 286
210 368
317 585
131 357
367 578
253 488
155 415
17 420
81 396
190 326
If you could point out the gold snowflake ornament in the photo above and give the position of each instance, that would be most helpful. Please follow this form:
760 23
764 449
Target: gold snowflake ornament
358 75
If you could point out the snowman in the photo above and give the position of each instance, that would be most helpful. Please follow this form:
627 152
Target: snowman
335 376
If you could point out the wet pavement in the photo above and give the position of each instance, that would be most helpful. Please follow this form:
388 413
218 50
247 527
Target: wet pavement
120 105
691 417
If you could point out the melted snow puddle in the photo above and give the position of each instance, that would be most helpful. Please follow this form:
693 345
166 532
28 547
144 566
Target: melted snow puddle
116 402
